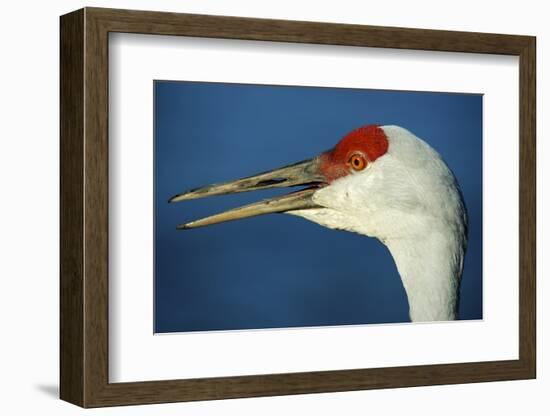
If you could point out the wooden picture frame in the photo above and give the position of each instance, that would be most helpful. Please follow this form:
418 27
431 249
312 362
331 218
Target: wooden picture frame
84 207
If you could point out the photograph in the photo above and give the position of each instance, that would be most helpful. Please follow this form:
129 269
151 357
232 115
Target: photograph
258 203
382 191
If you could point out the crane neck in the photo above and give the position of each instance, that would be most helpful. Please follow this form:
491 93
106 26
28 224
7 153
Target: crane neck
430 269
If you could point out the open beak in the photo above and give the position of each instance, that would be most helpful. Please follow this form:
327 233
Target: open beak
306 173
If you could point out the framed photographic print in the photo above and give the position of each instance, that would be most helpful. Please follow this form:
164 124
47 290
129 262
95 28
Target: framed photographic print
255 207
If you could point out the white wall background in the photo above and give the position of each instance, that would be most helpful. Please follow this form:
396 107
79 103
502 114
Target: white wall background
29 159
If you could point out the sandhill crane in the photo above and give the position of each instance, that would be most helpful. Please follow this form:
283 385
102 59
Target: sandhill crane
381 182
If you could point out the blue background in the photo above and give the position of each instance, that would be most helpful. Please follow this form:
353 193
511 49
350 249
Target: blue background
279 270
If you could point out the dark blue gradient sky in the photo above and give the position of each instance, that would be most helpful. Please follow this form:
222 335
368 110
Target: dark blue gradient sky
279 270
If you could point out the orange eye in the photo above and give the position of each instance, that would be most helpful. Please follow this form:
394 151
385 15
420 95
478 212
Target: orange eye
357 162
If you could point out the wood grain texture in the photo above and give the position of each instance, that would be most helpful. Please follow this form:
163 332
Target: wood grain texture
84 207
71 213
96 208
162 23
527 208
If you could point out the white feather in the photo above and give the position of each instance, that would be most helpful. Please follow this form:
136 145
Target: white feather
409 200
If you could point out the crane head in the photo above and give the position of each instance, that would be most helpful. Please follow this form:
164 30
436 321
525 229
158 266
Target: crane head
379 181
